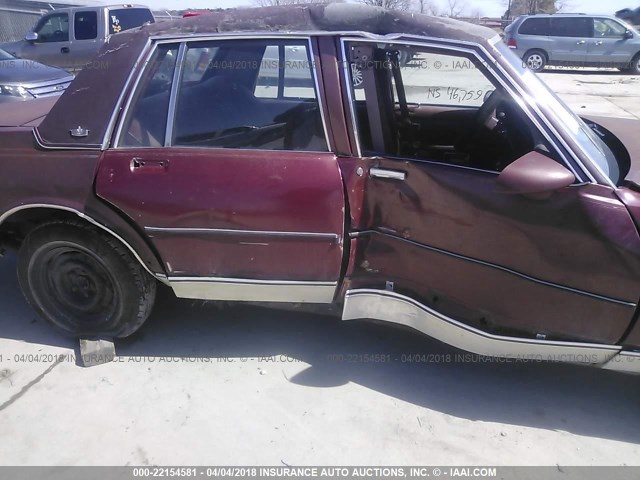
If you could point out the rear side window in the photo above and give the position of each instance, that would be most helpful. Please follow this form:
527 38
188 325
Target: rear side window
534 26
122 19
252 94
285 72
85 25
146 121
571 27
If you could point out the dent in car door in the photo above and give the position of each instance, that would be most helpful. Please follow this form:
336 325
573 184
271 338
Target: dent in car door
230 221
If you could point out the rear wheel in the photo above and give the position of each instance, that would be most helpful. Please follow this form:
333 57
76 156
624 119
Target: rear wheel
635 65
83 282
535 60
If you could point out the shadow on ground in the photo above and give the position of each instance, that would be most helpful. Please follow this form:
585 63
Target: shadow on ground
580 400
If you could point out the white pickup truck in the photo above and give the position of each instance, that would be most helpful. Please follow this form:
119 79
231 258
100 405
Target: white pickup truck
70 37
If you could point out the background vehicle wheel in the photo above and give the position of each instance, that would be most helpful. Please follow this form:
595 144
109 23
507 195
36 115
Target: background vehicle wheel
634 68
84 282
535 60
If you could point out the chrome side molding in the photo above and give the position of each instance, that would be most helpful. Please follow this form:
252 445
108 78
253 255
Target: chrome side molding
396 308
248 290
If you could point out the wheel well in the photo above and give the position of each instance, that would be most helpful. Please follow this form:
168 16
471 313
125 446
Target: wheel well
15 228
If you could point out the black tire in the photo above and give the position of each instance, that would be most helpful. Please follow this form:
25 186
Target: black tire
535 60
84 282
634 67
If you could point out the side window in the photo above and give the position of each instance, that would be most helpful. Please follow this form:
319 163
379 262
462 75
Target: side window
455 81
122 19
246 94
53 28
438 105
534 26
571 27
146 121
85 25
285 72
605 27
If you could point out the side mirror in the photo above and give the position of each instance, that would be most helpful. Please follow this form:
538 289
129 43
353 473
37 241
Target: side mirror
535 174
31 37
628 35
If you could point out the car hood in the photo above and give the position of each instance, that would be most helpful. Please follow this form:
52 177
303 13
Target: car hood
30 113
22 71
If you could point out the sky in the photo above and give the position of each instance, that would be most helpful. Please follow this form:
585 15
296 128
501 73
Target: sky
489 8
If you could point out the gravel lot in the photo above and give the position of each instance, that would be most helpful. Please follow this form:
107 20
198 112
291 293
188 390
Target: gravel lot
202 384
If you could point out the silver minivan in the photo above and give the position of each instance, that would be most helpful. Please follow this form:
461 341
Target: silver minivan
575 40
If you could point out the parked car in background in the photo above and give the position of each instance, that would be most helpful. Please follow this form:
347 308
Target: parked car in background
462 198
629 15
70 37
22 80
574 40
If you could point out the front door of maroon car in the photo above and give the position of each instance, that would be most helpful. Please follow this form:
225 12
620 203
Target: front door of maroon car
459 195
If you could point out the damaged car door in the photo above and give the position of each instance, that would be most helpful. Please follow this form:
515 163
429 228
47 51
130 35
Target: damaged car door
474 208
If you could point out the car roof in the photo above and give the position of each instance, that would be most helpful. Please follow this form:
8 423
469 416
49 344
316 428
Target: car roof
333 17
121 52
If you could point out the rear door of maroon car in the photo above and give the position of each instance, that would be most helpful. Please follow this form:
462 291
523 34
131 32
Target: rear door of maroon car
238 190
435 224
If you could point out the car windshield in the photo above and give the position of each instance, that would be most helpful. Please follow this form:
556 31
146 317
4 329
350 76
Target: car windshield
600 154
5 56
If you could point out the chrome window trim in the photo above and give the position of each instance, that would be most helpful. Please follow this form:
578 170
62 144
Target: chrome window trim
522 99
393 307
250 290
132 94
120 106
250 233
173 94
182 41
160 276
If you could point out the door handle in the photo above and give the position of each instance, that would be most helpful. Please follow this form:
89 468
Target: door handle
599 42
390 174
138 164
581 42
64 50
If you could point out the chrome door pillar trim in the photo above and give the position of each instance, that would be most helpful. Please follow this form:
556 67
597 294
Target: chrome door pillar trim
173 94
249 290
396 308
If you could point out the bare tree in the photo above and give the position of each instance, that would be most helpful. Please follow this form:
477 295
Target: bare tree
476 13
455 8
391 4
530 7
428 7
564 5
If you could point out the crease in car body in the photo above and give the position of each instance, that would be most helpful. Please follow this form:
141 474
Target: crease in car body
469 218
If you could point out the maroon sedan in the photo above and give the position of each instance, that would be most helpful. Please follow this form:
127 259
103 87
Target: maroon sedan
399 167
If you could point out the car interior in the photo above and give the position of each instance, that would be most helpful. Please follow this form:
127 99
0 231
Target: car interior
488 137
220 106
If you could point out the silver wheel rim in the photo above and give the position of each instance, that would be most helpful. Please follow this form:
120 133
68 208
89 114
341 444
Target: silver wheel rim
535 61
356 75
